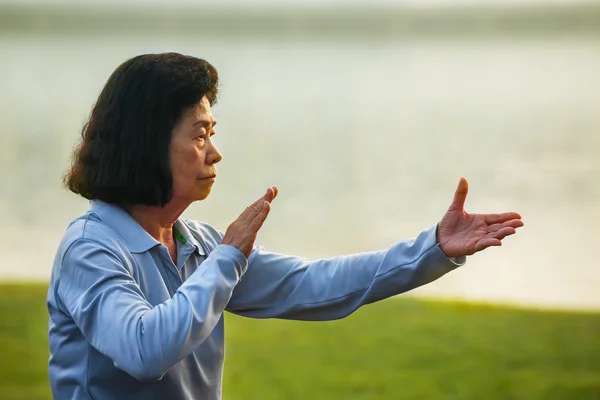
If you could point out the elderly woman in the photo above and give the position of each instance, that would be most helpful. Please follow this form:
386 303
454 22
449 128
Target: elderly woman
137 294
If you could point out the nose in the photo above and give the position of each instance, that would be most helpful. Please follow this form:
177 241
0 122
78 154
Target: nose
214 155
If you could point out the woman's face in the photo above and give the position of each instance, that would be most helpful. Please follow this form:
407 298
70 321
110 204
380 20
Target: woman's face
193 154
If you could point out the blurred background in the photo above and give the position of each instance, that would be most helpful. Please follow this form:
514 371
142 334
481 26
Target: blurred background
365 114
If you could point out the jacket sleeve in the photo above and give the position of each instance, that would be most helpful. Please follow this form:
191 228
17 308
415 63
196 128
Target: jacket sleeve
281 286
98 291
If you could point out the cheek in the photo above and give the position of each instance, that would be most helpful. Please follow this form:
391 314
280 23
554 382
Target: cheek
186 164
183 175
184 180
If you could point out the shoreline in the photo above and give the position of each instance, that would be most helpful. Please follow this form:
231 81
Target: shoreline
478 301
373 21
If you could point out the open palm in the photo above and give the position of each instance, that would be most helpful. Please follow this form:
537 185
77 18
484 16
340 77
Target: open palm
462 234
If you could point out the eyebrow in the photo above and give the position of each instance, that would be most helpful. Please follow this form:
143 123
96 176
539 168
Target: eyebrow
205 123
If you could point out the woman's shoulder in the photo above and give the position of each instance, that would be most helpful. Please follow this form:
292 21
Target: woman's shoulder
89 229
85 239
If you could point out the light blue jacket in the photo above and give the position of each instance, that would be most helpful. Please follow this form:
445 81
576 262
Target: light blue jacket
127 323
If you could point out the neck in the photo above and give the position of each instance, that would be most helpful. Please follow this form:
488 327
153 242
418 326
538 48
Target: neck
158 221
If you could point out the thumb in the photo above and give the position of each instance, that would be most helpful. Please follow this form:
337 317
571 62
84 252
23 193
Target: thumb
458 203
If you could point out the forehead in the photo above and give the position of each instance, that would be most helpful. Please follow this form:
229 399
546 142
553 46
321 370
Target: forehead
200 111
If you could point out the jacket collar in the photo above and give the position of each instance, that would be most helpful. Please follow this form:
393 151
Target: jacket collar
181 227
135 237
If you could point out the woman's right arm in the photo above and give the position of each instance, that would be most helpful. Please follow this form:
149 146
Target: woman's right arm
106 303
99 292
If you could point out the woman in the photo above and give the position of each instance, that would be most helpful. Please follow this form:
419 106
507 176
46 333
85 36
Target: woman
137 294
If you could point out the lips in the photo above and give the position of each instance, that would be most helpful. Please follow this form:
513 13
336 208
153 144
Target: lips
213 176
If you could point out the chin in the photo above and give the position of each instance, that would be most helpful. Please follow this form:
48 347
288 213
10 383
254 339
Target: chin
199 191
201 195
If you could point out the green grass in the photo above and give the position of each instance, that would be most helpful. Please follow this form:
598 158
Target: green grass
397 349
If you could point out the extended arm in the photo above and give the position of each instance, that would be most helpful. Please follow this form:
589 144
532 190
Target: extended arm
281 286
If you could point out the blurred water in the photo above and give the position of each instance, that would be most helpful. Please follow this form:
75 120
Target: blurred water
365 137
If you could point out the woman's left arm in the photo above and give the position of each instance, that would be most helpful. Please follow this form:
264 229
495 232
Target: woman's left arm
282 286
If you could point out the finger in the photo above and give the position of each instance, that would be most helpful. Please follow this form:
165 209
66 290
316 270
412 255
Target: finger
271 193
259 219
460 195
500 218
485 243
504 232
252 210
514 223
268 196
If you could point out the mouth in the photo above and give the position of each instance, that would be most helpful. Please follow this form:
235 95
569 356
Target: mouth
213 176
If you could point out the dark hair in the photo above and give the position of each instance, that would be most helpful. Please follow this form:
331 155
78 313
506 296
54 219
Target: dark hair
123 156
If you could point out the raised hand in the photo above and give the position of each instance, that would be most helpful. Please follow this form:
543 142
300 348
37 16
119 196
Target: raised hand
462 234
242 232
